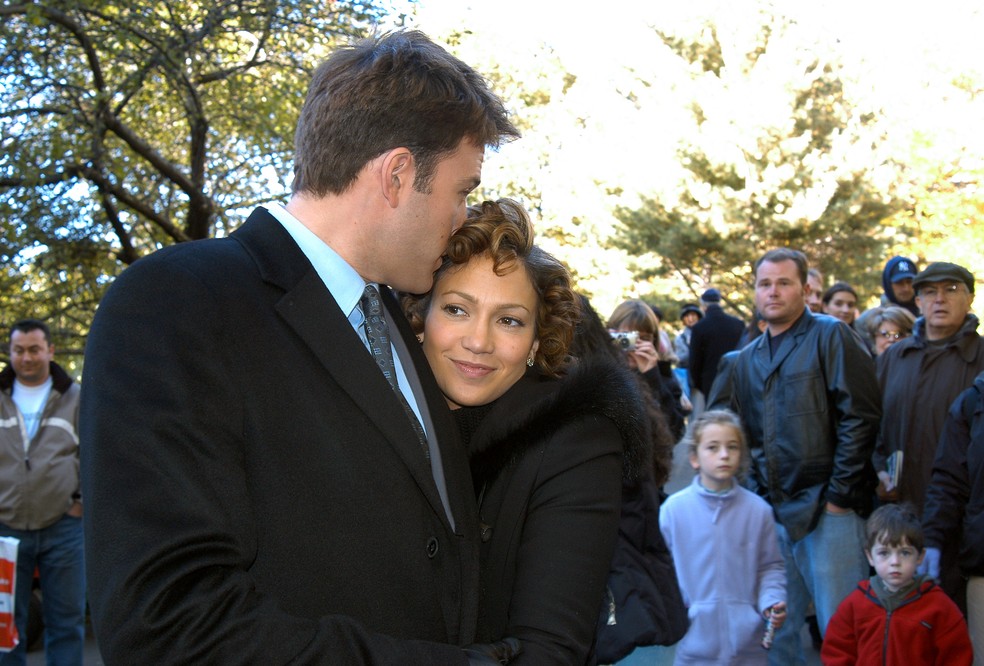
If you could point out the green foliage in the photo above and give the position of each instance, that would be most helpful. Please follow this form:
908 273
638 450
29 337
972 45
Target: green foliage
126 126
792 184
944 202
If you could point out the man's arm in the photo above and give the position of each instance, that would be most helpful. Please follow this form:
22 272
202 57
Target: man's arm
696 362
171 534
856 399
949 486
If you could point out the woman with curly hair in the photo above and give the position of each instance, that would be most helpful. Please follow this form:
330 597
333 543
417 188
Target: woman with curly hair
546 438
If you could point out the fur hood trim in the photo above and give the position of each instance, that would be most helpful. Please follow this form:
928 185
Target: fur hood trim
60 381
536 407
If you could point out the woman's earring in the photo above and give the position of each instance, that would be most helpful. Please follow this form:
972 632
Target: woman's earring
420 339
529 361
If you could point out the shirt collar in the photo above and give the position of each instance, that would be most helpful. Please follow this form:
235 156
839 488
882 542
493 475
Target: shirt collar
344 283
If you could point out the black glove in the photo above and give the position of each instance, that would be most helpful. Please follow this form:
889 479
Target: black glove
492 654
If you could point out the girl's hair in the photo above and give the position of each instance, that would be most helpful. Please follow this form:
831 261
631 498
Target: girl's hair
635 315
502 231
836 288
893 525
721 417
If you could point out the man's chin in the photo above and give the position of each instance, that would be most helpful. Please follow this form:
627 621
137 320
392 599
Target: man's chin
421 286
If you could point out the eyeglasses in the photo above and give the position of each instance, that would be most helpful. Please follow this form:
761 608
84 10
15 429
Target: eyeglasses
892 335
948 290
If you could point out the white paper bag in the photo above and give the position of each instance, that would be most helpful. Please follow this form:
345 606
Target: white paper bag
8 588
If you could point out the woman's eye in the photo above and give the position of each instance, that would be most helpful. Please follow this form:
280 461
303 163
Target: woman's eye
453 310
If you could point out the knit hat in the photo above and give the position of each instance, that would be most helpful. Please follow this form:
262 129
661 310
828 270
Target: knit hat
691 307
712 295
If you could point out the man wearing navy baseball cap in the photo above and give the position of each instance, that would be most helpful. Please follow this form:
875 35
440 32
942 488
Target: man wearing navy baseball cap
897 282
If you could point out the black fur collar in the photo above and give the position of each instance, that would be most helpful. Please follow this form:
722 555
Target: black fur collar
536 406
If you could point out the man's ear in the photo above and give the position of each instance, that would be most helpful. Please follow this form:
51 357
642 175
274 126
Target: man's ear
396 175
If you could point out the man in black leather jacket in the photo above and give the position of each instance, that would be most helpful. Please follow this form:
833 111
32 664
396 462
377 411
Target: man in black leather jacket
807 394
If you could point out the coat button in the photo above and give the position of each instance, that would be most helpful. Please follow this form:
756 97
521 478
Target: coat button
485 532
432 547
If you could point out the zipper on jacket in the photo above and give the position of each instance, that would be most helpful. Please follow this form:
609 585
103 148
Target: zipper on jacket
888 624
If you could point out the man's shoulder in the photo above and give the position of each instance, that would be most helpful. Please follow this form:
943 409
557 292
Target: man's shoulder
734 322
888 359
713 320
258 242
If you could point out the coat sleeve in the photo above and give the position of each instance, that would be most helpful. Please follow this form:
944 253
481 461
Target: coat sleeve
949 486
566 544
856 400
840 642
771 566
697 344
170 531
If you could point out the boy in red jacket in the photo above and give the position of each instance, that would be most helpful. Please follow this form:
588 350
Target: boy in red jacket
897 616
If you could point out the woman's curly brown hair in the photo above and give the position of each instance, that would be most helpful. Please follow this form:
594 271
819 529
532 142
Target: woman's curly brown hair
502 231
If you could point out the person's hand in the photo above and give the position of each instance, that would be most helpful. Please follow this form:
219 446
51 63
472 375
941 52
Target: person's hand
776 615
686 404
75 511
645 356
492 654
931 563
886 481
833 508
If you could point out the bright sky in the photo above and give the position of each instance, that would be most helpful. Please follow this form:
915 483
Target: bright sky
902 51
902 54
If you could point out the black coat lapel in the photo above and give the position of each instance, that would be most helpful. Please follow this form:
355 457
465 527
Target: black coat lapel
309 309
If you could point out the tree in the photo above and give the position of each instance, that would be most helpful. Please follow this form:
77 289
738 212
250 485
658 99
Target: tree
127 126
943 179
779 156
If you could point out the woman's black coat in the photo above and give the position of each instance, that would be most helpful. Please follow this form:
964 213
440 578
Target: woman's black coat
548 462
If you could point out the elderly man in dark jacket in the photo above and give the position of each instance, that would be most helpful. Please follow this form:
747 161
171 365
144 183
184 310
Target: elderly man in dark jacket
807 394
920 377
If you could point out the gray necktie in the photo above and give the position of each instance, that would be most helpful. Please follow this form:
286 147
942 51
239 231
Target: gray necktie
377 333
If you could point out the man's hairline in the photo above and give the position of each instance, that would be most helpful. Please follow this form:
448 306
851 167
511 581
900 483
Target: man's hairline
781 261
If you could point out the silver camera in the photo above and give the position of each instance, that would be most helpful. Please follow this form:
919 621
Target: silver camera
625 340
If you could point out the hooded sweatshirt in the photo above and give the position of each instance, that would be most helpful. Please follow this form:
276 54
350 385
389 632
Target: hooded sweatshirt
889 297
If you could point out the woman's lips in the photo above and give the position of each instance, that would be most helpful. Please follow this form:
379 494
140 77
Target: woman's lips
472 370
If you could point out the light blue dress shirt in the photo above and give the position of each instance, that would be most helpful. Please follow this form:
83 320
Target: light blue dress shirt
344 283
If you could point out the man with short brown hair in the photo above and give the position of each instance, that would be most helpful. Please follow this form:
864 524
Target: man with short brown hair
40 503
259 490
807 396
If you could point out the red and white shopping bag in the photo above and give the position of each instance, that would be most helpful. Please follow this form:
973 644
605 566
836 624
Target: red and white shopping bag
8 585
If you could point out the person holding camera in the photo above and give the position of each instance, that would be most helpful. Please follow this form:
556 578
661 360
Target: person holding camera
635 330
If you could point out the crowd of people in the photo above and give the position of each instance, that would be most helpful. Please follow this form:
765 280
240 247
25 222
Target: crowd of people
375 425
